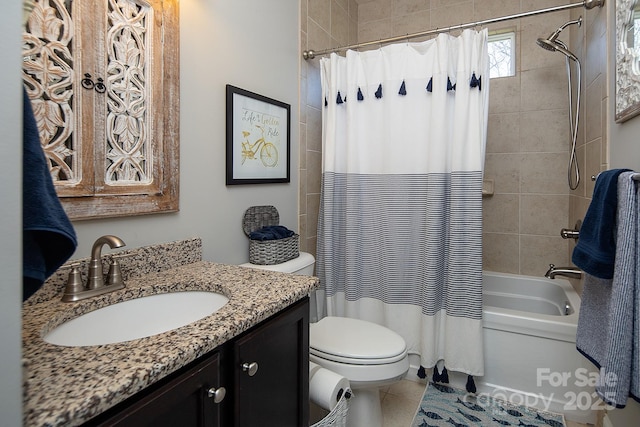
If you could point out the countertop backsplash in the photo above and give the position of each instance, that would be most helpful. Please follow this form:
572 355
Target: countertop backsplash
135 262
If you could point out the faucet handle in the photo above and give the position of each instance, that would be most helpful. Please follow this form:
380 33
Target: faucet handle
114 276
74 281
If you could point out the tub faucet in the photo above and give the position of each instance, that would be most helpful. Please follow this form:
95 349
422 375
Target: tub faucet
75 290
554 271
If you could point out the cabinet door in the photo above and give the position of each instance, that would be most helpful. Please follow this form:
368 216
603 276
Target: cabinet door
183 401
277 394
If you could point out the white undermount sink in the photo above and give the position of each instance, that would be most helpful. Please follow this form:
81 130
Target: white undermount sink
137 318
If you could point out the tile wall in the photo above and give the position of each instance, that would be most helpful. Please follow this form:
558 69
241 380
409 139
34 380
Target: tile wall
528 134
593 146
324 24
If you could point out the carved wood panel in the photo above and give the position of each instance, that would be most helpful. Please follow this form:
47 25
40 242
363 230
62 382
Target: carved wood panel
103 77
48 77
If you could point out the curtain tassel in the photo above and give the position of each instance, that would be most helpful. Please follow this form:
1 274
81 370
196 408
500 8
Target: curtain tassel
436 375
440 377
422 373
471 385
449 85
379 91
430 85
339 99
360 96
325 101
403 89
444 376
476 82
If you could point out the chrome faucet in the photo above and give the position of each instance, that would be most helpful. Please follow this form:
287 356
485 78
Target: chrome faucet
554 271
75 291
574 233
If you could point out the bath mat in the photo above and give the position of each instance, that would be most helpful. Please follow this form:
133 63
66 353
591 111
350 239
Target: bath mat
443 405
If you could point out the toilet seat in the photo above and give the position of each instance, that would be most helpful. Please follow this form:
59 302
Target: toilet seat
354 341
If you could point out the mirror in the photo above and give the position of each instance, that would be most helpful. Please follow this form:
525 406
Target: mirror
627 59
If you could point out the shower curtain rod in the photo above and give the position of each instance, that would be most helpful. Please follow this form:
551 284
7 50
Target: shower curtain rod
587 4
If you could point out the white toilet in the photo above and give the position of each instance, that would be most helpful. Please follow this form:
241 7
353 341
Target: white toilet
367 354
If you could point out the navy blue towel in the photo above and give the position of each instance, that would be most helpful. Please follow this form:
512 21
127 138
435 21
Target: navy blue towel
271 232
48 238
596 249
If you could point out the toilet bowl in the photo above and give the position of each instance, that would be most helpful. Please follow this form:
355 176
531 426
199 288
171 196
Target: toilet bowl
367 354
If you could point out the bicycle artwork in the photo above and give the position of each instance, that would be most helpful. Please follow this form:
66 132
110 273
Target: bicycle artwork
268 151
258 143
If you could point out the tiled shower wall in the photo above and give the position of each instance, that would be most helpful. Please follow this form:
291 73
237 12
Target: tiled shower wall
528 135
325 24
593 147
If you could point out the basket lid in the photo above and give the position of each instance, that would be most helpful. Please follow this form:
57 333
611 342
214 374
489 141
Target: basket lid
257 217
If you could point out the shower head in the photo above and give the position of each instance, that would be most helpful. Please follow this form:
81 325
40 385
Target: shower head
552 43
547 44
556 46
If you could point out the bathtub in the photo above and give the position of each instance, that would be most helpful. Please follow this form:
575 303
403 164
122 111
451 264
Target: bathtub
530 346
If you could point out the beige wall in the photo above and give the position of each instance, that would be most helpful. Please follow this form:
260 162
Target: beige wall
590 42
528 137
325 24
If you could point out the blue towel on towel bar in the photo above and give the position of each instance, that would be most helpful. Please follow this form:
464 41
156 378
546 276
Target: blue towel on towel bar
609 324
48 238
271 232
596 248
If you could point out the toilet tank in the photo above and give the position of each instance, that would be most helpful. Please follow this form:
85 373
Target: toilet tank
302 265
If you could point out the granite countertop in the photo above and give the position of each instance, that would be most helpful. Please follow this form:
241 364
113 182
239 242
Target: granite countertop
66 386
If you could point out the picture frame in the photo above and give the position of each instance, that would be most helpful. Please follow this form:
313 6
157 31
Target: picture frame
258 146
627 101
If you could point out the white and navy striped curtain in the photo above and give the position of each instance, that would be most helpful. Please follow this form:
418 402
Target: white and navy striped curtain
400 222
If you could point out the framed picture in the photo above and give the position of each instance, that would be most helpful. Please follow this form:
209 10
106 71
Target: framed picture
258 138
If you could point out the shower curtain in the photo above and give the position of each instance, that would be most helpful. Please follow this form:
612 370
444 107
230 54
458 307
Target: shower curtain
400 221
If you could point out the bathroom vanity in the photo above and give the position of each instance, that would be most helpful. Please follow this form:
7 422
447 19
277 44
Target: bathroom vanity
258 378
178 374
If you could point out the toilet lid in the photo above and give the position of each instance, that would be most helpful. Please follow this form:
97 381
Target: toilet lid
347 340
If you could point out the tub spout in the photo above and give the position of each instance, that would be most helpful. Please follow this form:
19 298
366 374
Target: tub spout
554 271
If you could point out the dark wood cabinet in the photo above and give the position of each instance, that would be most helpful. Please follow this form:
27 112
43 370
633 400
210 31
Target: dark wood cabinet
183 400
260 378
271 373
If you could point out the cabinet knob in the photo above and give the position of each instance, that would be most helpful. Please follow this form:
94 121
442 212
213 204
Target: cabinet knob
217 394
250 368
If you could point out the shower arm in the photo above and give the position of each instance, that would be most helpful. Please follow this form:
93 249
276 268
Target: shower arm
587 4
557 32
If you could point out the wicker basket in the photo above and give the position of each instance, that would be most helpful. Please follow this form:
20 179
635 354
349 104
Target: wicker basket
338 416
268 252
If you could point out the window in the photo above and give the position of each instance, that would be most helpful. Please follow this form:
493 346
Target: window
502 55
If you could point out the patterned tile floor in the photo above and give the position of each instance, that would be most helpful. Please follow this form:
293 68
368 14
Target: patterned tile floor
400 402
